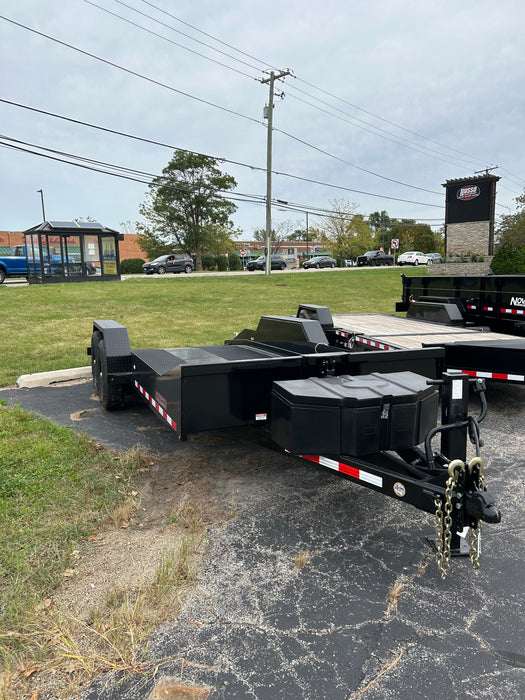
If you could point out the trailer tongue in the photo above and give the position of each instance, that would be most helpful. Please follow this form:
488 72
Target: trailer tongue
370 416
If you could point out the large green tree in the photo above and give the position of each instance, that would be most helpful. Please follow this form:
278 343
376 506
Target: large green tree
186 207
348 232
511 230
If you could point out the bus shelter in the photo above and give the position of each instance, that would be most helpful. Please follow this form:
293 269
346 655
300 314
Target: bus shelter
67 251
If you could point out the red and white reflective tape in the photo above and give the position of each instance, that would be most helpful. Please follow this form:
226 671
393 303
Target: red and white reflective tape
488 308
495 375
343 334
373 343
472 307
519 312
169 420
354 472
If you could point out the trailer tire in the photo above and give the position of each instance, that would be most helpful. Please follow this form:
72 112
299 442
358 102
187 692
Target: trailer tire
2 275
111 396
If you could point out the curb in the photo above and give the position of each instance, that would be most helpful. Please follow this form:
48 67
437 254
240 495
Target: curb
29 381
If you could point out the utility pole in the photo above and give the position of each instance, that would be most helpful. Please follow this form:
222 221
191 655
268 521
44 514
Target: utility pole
269 116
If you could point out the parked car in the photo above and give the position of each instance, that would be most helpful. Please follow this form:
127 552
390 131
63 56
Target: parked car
412 257
320 261
277 262
174 262
434 258
373 258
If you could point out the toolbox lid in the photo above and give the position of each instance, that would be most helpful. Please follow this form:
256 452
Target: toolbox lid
363 390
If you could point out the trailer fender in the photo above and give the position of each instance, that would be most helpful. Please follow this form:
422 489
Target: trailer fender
111 362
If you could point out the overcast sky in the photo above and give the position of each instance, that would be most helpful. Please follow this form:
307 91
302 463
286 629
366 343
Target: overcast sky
387 101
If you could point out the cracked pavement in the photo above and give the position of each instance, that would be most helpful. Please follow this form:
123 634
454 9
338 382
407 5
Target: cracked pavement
294 599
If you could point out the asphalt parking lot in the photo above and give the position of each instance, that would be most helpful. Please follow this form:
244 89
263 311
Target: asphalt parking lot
258 625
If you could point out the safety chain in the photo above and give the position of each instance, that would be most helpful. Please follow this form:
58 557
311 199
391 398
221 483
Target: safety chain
444 522
476 463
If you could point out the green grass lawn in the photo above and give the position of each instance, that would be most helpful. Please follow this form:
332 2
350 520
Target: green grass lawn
48 327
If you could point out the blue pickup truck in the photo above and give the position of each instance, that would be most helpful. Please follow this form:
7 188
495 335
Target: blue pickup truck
15 265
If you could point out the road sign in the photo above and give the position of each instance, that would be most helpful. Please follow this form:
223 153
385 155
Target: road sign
394 243
243 253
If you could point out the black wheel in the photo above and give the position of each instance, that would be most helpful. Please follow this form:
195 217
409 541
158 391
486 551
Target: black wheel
188 269
416 262
317 266
95 340
333 265
111 395
2 276
282 266
162 270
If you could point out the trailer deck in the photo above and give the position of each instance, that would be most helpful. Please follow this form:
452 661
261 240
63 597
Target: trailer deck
475 351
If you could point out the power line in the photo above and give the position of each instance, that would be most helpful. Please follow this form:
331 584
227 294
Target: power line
131 72
138 175
160 36
218 158
373 129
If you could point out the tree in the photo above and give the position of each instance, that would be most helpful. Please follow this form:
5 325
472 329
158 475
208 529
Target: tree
348 232
278 236
185 206
511 230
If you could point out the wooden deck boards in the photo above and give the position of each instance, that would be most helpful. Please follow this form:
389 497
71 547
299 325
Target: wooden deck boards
408 333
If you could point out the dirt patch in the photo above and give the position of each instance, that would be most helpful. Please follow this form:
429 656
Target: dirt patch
178 498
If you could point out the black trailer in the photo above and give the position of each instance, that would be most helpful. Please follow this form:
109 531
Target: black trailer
371 416
494 301
491 307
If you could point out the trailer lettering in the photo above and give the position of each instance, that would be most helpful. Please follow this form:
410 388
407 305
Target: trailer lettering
517 301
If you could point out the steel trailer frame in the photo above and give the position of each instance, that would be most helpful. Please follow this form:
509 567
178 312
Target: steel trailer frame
216 387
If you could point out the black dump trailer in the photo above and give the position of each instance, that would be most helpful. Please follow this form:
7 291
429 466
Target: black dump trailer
371 416
494 301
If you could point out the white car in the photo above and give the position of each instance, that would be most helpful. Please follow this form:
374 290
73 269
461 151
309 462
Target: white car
413 257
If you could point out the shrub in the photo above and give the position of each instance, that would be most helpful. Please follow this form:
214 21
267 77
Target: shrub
508 260
131 266
208 261
222 263
234 261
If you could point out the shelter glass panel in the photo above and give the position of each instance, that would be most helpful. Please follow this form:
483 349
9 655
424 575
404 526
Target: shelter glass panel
109 255
92 255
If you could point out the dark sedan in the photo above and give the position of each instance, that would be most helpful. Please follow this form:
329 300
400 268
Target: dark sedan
320 261
175 262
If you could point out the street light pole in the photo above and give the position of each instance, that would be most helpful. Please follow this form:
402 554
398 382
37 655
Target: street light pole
42 200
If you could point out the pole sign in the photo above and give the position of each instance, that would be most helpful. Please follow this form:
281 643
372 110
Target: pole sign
243 253
394 243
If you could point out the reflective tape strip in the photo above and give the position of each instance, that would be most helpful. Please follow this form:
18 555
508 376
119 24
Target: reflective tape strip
169 420
472 307
495 375
373 343
488 308
519 312
347 469
343 334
